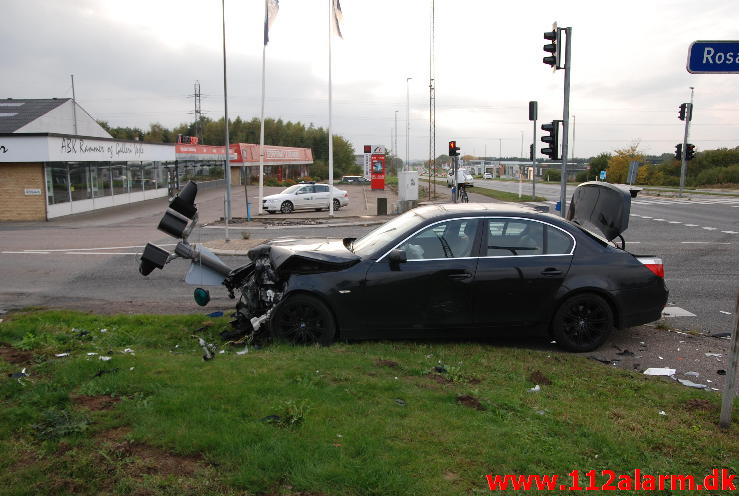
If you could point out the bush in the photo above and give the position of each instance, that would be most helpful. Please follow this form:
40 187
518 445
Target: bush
581 177
718 175
552 175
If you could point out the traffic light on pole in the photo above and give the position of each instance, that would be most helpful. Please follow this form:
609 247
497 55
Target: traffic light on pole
552 139
679 151
553 48
683 111
453 149
689 152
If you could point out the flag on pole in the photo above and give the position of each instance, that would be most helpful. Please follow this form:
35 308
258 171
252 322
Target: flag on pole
269 16
338 18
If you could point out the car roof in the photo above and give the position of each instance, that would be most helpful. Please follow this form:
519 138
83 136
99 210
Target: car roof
444 210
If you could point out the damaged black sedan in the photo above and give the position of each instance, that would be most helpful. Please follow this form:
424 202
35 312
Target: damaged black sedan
453 270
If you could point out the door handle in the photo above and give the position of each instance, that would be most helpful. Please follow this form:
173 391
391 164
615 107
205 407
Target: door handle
551 271
460 276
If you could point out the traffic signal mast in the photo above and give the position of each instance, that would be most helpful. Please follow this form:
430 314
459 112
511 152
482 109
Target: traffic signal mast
454 154
685 151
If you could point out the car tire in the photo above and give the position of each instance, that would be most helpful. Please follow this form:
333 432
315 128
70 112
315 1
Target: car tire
582 322
337 204
303 319
286 207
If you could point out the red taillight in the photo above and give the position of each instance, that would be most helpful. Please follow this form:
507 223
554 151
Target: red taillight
654 264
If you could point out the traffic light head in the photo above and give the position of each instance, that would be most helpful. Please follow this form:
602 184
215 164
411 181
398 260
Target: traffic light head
453 149
679 151
683 110
552 139
689 152
552 48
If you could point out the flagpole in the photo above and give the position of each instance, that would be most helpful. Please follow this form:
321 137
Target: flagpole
330 134
261 122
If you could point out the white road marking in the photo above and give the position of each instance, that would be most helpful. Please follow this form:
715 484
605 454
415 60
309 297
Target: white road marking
691 225
676 312
100 253
27 252
660 220
729 232
675 222
709 228
703 243
646 216
97 249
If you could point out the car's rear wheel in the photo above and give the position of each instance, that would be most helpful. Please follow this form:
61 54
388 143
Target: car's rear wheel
286 207
303 319
583 322
337 204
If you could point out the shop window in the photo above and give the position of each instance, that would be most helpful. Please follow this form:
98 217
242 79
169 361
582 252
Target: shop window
149 175
57 183
120 179
101 179
80 183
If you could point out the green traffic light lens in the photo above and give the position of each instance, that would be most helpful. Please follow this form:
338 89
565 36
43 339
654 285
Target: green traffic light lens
202 296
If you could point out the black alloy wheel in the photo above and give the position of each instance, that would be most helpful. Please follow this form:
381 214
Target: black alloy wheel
303 319
286 207
337 204
583 322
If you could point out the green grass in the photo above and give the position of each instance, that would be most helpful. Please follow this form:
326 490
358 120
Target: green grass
499 195
185 426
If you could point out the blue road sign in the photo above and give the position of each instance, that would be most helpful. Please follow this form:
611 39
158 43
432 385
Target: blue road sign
602 175
713 57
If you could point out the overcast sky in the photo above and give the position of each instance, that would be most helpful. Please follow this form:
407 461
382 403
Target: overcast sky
135 62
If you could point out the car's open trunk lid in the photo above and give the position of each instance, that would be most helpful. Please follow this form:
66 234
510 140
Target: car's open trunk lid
601 205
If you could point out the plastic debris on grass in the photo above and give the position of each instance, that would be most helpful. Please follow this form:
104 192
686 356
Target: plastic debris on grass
662 412
209 349
104 358
691 384
535 389
128 350
663 371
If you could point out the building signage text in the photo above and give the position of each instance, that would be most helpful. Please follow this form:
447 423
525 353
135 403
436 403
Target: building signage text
114 150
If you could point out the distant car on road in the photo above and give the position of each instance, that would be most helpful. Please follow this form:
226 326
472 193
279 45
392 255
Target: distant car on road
487 175
354 180
305 196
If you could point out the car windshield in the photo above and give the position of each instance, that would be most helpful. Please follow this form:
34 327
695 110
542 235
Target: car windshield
291 189
386 233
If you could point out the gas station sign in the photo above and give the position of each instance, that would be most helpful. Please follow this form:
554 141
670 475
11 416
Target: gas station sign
378 171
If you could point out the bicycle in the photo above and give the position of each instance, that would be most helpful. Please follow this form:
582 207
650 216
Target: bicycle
463 198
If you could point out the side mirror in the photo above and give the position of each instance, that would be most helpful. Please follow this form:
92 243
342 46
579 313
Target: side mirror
397 257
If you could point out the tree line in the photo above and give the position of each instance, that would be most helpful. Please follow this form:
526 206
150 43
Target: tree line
709 167
276 133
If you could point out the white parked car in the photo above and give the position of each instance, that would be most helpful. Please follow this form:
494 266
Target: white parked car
463 177
487 175
305 196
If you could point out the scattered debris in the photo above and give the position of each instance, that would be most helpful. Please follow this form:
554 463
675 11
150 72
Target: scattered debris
721 335
61 355
659 371
691 384
19 375
215 314
244 351
92 353
103 331
662 412
471 402
399 401
694 374
106 371
721 372
440 369
660 357
541 412
725 312
535 389
714 355
209 349
538 378
104 358
128 350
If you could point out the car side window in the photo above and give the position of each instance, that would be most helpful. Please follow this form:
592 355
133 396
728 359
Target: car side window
321 188
516 237
449 239
305 190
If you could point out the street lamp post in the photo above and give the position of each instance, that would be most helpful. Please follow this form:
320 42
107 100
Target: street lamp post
408 122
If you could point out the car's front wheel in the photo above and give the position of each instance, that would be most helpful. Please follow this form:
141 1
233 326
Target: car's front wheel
303 319
583 322
286 207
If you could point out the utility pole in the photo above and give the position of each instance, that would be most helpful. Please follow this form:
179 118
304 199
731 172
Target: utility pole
74 106
533 114
198 111
227 155
684 160
395 146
